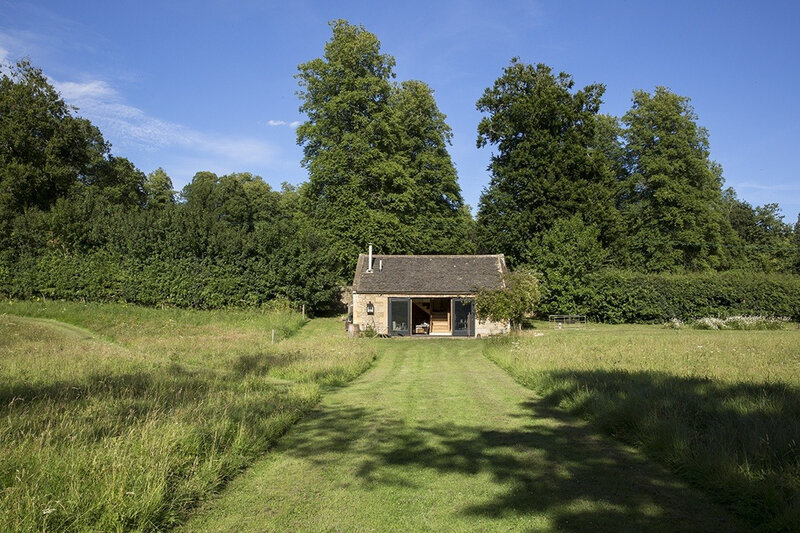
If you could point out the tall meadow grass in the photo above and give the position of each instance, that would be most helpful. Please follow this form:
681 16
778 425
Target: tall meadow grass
720 408
117 417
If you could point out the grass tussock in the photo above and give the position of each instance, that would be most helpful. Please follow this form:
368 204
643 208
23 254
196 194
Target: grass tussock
117 417
720 408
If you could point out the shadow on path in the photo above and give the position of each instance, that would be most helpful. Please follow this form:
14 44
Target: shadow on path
545 463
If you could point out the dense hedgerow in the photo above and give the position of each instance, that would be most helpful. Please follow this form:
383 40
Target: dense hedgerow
188 282
616 296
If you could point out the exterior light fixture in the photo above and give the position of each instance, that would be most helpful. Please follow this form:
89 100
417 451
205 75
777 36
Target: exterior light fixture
370 308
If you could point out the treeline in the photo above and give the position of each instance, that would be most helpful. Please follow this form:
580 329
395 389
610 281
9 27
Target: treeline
77 222
573 193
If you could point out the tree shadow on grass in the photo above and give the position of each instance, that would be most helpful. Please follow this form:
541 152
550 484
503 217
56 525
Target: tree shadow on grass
107 384
739 442
543 463
109 404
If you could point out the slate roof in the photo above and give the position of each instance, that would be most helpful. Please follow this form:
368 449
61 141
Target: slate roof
429 274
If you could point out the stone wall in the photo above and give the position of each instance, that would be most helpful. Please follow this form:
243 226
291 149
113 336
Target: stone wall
379 321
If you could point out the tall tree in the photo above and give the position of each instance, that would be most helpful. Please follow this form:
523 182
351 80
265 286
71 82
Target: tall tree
345 95
158 189
796 244
433 205
763 240
120 182
673 190
376 153
547 165
44 150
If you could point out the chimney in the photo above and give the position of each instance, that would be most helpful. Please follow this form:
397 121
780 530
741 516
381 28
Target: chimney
369 261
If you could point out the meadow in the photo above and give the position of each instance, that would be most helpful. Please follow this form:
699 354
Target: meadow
118 417
719 408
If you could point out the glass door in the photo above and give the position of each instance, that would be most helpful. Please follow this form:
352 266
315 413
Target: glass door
463 317
400 316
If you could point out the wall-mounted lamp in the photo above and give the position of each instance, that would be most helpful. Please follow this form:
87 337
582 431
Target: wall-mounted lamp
370 308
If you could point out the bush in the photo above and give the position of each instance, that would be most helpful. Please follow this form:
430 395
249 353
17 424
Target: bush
369 332
619 296
675 323
516 300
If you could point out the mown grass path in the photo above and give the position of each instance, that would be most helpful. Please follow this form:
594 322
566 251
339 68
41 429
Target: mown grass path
435 437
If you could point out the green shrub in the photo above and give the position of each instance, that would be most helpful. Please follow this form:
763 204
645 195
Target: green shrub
369 332
619 296
516 300
103 276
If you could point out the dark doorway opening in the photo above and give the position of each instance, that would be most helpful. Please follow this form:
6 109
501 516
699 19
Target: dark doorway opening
420 316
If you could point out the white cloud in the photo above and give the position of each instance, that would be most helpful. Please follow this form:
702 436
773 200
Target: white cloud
134 132
84 91
292 124
762 187
128 125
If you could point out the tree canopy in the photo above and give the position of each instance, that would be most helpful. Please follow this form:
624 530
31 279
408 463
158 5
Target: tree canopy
548 163
45 150
672 194
376 152
574 194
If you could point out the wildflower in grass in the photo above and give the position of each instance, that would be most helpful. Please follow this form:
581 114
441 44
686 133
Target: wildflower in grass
742 322
710 323
675 323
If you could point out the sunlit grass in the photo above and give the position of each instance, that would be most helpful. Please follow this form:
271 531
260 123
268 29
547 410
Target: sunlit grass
437 438
122 417
721 408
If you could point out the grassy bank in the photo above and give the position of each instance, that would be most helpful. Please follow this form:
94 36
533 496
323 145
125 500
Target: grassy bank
720 408
121 417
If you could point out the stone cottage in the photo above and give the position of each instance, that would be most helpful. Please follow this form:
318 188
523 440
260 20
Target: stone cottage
424 295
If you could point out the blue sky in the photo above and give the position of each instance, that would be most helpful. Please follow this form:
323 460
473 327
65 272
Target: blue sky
208 85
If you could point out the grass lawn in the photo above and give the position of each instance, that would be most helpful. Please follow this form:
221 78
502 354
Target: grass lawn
720 408
437 438
120 417
117 417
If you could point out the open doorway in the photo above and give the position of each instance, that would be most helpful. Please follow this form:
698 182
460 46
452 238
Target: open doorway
420 316
431 316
